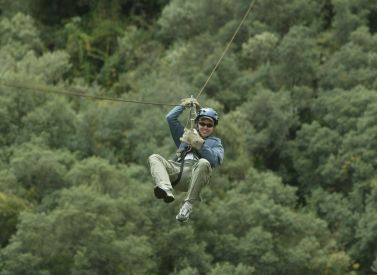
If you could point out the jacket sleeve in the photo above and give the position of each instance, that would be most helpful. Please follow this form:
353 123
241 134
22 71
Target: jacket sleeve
176 128
213 151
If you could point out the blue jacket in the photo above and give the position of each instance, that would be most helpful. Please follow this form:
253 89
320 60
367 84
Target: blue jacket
212 149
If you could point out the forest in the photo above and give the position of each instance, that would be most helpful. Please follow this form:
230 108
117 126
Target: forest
297 98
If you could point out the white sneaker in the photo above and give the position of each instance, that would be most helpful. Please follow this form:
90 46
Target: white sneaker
184 212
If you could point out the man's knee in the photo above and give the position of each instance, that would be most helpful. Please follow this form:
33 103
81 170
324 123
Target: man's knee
204 164
154 158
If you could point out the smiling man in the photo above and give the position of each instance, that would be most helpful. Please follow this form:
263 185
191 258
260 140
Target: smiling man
199 151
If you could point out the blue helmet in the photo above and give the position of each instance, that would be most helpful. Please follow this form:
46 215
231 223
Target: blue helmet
208 112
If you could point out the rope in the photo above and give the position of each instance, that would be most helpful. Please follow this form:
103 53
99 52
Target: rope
227 47
70 93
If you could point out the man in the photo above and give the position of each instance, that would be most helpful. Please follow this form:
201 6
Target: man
198 152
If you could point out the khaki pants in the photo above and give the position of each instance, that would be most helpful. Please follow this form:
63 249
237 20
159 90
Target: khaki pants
195 175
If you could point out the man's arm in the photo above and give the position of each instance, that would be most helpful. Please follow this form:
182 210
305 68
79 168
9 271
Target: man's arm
176 128
213 151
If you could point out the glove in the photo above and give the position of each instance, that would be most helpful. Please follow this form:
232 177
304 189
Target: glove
186 138
190 102
192 137
197 141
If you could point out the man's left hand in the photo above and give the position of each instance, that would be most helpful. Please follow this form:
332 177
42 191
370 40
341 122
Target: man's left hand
192 137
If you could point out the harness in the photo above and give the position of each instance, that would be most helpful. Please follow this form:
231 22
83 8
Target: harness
180 157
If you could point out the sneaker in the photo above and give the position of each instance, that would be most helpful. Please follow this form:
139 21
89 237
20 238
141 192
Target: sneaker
160 193
184 212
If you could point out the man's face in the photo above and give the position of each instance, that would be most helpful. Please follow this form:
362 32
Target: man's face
206 127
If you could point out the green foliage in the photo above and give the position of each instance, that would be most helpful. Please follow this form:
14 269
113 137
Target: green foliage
346 18
296 97
9 7
81 235
297 57
19 35
103 130
335 150
99 175
363 249
55 121
313 148
260 225
271 117
182 19
282 15
354 64
134 48
188 253
90 51
259 49
97 48
234 140
229 269
10 207
39 169
338 211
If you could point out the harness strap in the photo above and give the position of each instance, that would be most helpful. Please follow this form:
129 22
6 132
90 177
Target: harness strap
181 157
174 183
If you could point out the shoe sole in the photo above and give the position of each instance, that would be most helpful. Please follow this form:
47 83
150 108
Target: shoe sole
169 199
161 194
181 220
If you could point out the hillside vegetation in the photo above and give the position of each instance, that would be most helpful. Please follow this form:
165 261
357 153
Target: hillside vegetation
297 98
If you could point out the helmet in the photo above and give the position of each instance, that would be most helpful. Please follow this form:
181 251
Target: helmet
208 112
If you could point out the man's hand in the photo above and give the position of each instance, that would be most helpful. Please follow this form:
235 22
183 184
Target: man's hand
197 141
190 102
191 137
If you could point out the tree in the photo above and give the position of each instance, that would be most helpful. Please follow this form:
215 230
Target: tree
363 249
296 98
8 7
333 151
259 49
298 58
183 20
346 19
234 140
19 35
99 175
10 208
257 222
282 15
39 169
82 235
55 120
336 153
271 118
229 269
339 211
353 64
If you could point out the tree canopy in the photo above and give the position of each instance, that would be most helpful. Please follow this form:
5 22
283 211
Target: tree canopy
296 93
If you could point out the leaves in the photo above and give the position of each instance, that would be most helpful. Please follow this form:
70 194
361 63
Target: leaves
296 96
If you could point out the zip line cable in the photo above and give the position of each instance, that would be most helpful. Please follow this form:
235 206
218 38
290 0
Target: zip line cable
70 93
227 47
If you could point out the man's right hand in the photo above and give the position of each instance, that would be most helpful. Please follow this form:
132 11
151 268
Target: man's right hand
190 102
186 138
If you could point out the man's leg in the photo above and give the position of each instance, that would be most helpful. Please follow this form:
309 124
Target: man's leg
201 174
162 171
